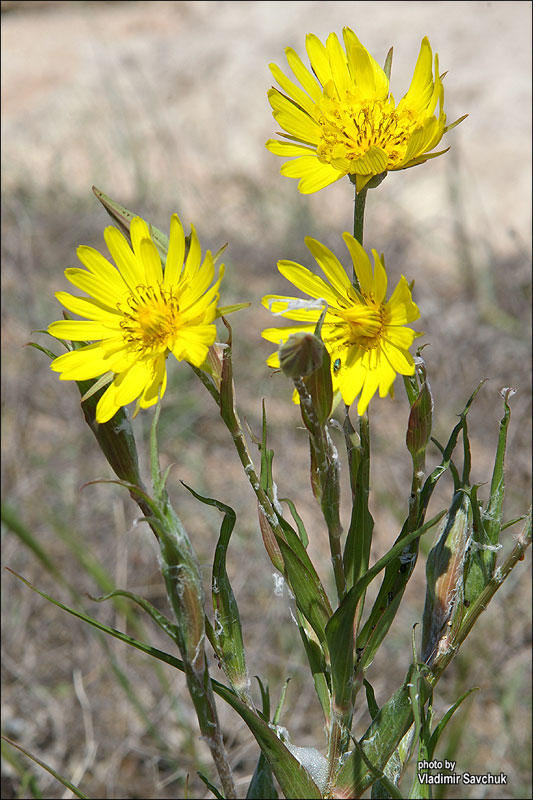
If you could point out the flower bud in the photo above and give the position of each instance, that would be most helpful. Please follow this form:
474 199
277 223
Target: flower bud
115 437
301 355
269 540
420 422
444 575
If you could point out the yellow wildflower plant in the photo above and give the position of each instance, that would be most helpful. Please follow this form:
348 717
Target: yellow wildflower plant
344 121
366 336
137 313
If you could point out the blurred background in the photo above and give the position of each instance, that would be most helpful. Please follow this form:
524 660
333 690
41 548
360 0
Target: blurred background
163 106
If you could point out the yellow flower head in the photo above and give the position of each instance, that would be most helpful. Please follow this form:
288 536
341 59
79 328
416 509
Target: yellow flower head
136 314
344 121
364 334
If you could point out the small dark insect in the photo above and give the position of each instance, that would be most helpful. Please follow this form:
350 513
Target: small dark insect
390 597
336 365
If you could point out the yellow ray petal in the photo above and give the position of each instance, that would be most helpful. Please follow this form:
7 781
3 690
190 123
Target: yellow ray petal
128 265
331 267
339 68
88 307
151 263
400 306
293 91
307 80
157 387
318 58
82 330
101 268
176 253
308 282
312 173
98 288
361 263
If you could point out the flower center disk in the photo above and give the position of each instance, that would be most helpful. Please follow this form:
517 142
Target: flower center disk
151 321
351 127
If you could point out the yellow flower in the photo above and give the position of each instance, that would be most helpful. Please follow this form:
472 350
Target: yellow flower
137 314
344 121
364 334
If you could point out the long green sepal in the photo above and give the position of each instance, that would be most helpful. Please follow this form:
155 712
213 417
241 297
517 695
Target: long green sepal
122 218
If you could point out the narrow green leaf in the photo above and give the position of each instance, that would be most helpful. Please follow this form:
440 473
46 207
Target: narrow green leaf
265 697
210 786
421 726
29 786
56 775
297 519
480 560
397 574
383 787
130 640
308 592
228 631
437 733
373 708
262 784
267 456
292 777
440 470
377 744
359 537
317 665
13 522
301 557
339 630
492 516
163 622
42 349
277 713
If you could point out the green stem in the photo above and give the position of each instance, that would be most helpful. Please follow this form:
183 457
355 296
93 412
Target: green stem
327 472
359 215
339 739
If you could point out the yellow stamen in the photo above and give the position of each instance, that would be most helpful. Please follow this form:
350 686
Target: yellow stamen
351 127
152 319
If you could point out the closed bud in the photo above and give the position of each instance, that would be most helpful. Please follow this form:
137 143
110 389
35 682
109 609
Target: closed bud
115 437
213 362
420 422
301 355
445 575
269 540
